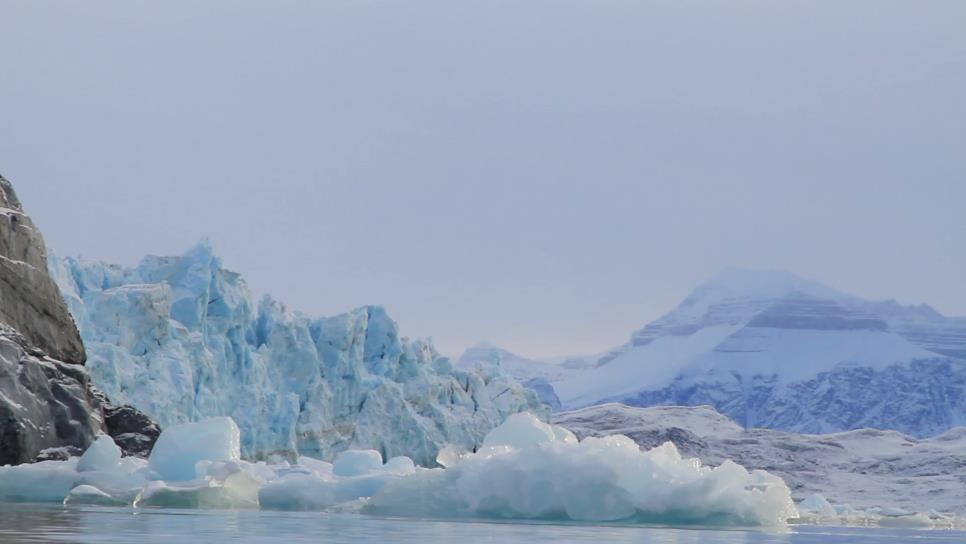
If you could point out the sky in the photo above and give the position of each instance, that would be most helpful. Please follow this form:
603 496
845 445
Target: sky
545 175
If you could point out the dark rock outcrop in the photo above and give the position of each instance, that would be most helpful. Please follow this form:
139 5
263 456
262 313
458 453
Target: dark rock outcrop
30 302
133 431
48 407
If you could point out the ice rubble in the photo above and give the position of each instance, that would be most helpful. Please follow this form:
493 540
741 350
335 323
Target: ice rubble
179 338
526 470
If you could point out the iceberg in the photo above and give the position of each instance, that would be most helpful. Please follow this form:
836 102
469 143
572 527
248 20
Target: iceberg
103 454
181 339
179 449
527 469
531 470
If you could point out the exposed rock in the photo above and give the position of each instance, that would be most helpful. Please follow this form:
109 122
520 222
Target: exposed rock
44 404
30 302
48 407
133 431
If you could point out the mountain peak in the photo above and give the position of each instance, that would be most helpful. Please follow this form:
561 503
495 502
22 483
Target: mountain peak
734 282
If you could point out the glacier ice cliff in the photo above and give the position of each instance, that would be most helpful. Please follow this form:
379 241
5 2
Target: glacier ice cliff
181 339
48 407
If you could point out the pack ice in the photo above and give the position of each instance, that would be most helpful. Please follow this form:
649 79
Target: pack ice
525 469
179 338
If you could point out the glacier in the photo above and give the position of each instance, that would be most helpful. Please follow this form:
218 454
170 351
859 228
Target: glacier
526 469
181 339
771 349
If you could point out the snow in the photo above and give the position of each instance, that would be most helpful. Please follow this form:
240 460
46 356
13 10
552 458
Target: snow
731 349
180 339
652 365
771 349
181 447
528 469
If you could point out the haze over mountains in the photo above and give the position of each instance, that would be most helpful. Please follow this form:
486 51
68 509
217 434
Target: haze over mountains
771 349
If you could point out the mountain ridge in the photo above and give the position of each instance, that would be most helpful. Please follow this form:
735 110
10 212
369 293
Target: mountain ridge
773 349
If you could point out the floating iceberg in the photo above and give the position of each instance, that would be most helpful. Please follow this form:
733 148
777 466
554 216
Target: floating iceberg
818 510
181 447
527 469
531 470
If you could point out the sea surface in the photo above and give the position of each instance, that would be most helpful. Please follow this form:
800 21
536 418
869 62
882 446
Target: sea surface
103 525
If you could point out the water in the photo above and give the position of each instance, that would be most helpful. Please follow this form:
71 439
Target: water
38 523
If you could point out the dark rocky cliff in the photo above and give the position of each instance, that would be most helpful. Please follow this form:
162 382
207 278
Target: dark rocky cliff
48 407
30 302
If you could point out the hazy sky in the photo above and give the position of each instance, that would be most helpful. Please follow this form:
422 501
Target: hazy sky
547 175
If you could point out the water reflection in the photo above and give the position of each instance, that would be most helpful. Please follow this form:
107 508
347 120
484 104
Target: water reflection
23 524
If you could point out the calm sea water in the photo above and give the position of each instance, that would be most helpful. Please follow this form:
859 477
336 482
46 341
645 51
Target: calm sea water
31 524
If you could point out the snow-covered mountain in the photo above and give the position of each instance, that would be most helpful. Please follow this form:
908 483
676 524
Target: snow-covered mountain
863 468
532 373
770 349
180 338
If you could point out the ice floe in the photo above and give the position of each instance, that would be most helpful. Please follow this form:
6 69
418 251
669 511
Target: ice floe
526 469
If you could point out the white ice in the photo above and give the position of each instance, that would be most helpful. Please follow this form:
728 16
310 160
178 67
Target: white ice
527 469
181 447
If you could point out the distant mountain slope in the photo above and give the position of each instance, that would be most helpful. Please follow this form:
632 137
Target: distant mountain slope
865 468
522 368
532 373
180 338
771 349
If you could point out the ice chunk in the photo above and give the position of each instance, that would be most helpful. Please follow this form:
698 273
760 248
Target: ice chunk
400 466
308 492
357 462
520 431
47 481
300 492
529 471
320 468
88 494
817 506
181 447
449 455
103 454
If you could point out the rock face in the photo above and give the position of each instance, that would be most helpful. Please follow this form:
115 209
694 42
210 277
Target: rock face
181 339
865 468
29 300
770 349
48 408
44 403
